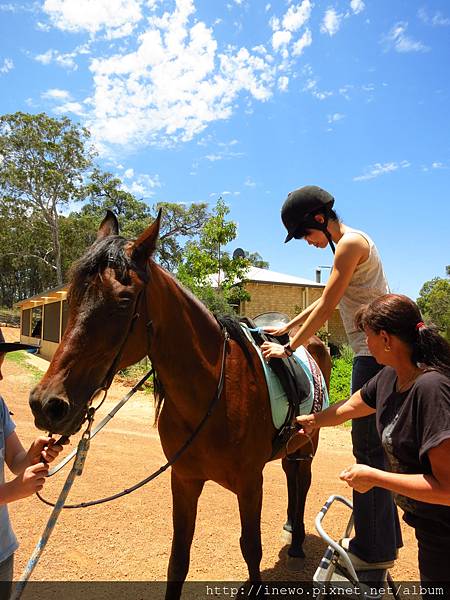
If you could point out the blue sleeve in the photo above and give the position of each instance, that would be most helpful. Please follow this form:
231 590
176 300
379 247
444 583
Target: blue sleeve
8 424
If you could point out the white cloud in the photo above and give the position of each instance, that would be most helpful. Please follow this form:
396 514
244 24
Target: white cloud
436 20
66 61
335 117
56 94
283 83
174 83
281 38
331 22
16 7
311 85
302 43
70 107
117 18
143 186
297 15
7 66
436 166
401 42
249 182
380 169
357 6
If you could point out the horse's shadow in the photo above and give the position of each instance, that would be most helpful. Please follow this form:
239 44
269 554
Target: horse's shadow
288 568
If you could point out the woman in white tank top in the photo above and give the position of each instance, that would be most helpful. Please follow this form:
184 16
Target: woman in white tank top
357 278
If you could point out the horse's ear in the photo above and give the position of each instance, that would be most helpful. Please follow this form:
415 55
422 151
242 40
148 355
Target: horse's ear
145 245
109 226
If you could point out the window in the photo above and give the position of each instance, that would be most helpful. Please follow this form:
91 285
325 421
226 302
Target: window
52 321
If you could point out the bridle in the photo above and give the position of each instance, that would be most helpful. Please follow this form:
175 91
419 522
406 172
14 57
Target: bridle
90 412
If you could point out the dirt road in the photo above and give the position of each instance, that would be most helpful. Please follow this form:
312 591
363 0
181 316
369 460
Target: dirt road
129 539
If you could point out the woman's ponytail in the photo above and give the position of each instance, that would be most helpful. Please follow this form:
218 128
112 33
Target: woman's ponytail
400 316
432 350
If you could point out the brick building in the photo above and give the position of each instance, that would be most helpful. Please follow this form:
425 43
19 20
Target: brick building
278 292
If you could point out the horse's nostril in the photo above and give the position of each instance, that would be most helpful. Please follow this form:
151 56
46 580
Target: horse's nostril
56 409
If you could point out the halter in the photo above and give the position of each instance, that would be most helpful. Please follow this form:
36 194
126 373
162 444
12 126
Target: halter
90 412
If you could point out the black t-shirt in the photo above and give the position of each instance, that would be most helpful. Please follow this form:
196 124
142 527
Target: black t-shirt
410 423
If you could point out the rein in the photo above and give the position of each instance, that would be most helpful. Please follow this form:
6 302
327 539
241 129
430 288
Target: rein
174 458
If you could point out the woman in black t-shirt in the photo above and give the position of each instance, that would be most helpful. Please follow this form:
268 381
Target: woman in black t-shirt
411 398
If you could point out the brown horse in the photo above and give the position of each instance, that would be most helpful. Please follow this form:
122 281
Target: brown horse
122 307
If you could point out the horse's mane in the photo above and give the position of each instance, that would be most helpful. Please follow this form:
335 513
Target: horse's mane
109 252
106 252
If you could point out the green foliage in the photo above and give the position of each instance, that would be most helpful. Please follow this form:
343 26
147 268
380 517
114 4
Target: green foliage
42 165
208 270
341 375
46 165
179 223
434 303
257 260
322 334
133 374
19 358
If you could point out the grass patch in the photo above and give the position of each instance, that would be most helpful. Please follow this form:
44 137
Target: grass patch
19 358
131 375
341 375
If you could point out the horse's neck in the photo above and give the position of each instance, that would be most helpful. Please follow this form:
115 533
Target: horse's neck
185 338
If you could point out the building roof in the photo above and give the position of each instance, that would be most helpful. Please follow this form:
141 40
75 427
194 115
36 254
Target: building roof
265 276
257 275
54 293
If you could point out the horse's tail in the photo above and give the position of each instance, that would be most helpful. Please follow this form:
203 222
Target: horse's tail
234 329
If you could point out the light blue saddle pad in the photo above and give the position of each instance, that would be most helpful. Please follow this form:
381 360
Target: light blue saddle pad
278 399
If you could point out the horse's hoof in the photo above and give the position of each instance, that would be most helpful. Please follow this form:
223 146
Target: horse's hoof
296 564
296 553
288 526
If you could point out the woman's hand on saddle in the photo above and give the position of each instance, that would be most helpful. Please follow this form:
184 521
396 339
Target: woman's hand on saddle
276 331
273 350
306 424
359 477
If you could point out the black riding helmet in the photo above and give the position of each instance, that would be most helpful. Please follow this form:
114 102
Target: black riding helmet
301 206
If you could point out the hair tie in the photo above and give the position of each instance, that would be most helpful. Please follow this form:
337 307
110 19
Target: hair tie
420 325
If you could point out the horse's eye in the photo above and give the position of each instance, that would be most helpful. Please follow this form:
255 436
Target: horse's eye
125 299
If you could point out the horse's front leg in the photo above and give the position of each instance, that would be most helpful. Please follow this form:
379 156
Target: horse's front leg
298 474
250 504
185 495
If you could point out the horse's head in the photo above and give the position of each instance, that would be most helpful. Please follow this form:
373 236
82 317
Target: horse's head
105 292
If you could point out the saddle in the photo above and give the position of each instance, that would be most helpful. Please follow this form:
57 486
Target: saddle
293 378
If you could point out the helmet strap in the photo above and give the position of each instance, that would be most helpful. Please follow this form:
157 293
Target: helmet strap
324 228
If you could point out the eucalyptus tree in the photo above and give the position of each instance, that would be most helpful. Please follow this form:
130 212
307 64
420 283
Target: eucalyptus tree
43 165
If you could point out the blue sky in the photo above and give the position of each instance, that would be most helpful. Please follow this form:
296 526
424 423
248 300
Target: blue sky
189 100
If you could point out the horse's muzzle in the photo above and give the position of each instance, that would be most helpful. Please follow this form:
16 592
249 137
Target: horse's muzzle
49 413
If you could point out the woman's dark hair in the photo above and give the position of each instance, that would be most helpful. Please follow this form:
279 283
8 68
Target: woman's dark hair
333 215
400 316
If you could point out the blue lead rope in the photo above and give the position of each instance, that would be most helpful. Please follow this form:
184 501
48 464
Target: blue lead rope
77 469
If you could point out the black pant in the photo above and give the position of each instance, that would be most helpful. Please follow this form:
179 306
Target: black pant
377 527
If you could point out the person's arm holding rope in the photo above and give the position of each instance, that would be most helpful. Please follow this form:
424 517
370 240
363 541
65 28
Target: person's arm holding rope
28 467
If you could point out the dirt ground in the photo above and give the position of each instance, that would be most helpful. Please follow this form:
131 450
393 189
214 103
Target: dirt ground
129 539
